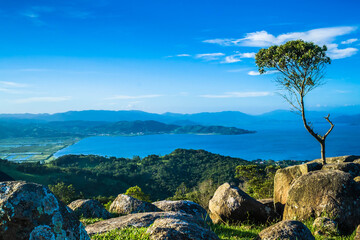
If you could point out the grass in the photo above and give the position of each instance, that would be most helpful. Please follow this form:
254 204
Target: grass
224 231
123 234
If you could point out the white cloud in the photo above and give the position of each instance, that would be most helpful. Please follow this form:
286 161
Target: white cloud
124 97
335 53
265 39
349 41
320 36
253 73
42 99
13 84
237 57
209 56
238 95
256 73
183 55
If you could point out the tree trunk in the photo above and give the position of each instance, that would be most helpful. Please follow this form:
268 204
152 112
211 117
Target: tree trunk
322 143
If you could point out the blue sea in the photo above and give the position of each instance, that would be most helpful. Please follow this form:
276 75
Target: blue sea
276 144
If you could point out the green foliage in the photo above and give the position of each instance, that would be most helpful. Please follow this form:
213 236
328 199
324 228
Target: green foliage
88 221
123 234
301 66
66 193
257 180
200 194
137 193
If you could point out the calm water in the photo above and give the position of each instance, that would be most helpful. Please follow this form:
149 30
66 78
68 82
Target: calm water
265 144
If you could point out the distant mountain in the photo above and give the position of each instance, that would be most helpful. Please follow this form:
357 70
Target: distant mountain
227 118
13 129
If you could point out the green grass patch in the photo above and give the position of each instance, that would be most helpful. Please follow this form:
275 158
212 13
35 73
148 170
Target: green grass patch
123 234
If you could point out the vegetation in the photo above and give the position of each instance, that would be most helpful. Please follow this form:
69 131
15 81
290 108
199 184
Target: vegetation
137 193
257 180
224 231
66 193
16 129
123 234
159 176
301 66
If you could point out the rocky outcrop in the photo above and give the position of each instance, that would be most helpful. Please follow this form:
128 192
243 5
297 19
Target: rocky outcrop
138 220
182 206
285 177
325 226
176 229
332 193
124 204
291 230
349 167
31 211
231 205
89 208
340 159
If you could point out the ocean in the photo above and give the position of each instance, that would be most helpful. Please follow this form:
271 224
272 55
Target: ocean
276 144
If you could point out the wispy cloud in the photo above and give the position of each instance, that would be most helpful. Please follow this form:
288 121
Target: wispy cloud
209 56
319 36
335 53
42 99
256 73
13 84
349 41
238 95
125 97
183 55
237 57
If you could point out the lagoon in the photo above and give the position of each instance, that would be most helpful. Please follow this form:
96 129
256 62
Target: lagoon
275 144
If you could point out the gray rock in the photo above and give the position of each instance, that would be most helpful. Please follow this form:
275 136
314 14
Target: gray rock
340 159
352 168
333 193
89 208
231 205
124 204
138 220
177 229
31 211
182 206
325 226
290 230
285 177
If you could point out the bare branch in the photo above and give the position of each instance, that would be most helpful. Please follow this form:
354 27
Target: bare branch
331 128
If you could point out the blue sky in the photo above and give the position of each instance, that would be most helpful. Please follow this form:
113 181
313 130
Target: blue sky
167 56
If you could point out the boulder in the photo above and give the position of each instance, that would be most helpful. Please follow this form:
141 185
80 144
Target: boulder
357 234
89 208
268 202
352 168
331 193
325 226
340 159
124 204
285 177
291 230
31 211
231 205
138 220
176 229
182 206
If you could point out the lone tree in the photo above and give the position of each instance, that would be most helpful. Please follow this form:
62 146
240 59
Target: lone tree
301 66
